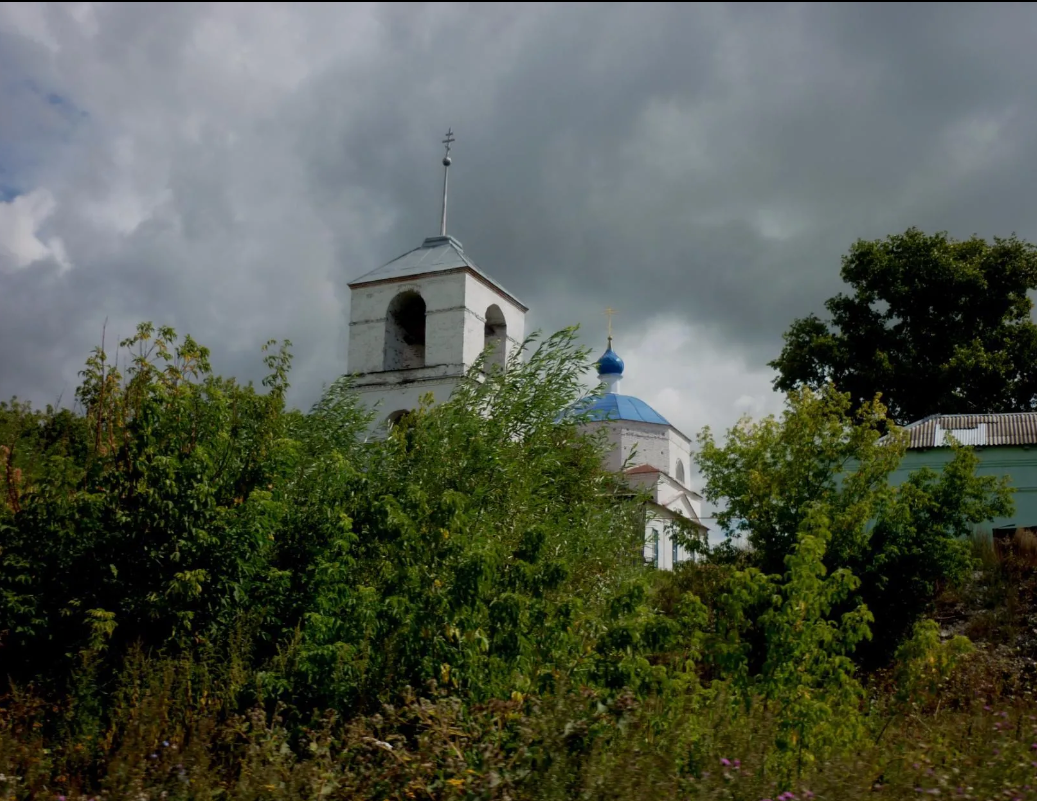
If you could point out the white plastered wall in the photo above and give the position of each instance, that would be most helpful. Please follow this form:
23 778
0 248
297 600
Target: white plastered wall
658 525
455 320
478 298
444 297
670 502
455 334
652 444
386 400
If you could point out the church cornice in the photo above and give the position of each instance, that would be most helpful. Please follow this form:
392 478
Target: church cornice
402 279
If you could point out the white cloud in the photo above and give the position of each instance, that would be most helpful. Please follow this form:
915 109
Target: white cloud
228 168
692 377
28 20
20 223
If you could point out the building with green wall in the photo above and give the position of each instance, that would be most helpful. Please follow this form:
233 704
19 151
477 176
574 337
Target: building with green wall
1006 445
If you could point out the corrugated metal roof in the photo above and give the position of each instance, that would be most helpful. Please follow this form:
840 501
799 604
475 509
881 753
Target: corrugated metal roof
974 429
437 254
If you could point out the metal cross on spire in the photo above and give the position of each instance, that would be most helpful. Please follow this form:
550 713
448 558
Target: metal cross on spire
608 313
446 169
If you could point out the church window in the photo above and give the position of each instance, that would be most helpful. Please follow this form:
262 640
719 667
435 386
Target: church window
653 544
405 332
675 554
680 471
495 336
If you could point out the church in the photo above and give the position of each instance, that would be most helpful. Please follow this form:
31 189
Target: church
420 322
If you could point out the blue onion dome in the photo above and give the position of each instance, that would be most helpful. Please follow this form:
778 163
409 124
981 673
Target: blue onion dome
610 363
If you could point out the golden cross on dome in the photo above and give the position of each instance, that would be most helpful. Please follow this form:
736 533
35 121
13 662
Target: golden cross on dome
608 313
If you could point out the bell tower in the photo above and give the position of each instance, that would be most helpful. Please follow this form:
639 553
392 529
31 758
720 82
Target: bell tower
418 323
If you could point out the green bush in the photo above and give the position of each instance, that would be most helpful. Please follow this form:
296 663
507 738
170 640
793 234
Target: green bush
204 593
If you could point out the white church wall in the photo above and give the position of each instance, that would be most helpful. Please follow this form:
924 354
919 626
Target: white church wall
478 299
650 444
444 297
679 457
386 400
661 447
660 548
455 309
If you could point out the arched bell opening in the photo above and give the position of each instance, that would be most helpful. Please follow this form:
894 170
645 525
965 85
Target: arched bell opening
495 337
397 417
405 332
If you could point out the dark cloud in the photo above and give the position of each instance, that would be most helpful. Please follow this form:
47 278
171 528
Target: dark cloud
229 170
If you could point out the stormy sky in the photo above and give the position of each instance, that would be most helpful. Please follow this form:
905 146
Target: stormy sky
228 169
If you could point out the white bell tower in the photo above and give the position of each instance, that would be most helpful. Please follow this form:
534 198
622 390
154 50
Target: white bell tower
418 323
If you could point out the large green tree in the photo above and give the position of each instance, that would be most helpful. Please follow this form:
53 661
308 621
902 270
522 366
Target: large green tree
903 543
936 325
480 545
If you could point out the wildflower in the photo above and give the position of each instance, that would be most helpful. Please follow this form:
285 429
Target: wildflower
1033 746
737 764
165 743
808 794
725 762
986 707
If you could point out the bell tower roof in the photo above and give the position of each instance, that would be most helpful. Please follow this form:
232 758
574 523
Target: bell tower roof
437 255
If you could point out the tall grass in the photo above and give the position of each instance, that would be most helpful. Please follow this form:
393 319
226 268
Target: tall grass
172 734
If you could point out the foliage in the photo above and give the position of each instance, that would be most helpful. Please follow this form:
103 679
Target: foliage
147 515
204 593
770 473
805 672
924 663
172 735
901 542
919 542
479 546
938 326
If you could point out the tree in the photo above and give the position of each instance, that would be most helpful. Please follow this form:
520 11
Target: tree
901 542
149 513
806 674
938 326
481 546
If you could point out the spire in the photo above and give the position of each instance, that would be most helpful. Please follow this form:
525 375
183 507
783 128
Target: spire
610 366
446 169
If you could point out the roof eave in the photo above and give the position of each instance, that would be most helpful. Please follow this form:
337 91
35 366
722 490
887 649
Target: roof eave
476 274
